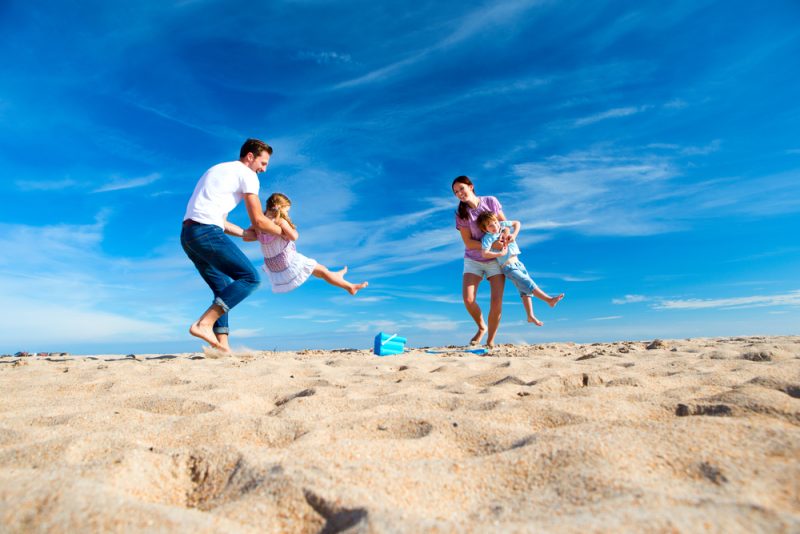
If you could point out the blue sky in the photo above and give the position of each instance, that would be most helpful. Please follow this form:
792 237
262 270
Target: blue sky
650 149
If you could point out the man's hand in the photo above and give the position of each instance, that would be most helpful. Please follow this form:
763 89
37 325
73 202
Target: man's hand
249 235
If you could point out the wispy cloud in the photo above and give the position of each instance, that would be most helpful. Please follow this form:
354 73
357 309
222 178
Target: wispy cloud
608 318
713 146
489 18
46 185
325 57
787 299
596 192
118 184
610 114
630 299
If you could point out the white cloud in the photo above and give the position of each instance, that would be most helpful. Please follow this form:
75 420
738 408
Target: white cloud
117 184
46 185
713 146
485 19
608 318
324 58
610 114
595 192
630 299
787 299
676 103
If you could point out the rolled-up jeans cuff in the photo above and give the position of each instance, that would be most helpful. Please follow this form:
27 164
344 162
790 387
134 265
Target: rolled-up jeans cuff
221 303
221 330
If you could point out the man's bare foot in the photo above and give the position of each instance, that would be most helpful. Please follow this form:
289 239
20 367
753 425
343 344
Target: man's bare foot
553 301
476 339
534 320
355 288
215 353
206 333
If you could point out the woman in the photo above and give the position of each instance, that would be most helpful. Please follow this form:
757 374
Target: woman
476 267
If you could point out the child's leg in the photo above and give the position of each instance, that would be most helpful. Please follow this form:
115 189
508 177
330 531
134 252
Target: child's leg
337 279
552 301
527 301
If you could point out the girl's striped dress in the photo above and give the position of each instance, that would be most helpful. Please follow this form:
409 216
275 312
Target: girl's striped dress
287 268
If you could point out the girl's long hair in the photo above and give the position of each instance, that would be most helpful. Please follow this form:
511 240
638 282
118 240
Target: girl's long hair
462 206
277 204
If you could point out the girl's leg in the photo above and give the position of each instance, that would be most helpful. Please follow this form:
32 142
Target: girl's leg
337 279
469 290
527 301
497 284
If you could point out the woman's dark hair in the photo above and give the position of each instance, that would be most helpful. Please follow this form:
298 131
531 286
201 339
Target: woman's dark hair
462 206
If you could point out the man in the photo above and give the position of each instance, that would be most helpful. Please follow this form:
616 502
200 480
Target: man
224 267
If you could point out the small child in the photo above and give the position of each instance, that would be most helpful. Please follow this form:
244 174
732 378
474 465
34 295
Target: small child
509 264
287 268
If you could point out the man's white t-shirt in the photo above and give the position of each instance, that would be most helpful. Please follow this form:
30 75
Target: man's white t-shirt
220 190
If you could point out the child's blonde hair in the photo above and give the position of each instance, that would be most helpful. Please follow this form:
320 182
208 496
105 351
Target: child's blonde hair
277 205
485 218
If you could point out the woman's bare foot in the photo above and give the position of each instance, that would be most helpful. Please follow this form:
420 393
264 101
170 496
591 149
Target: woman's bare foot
206 333
355 288
552 302
476 339
534 320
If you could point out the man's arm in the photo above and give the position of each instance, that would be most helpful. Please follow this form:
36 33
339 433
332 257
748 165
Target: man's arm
288 232
258 220
234 230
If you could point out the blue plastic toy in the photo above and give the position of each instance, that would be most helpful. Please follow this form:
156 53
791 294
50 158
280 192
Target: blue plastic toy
389 345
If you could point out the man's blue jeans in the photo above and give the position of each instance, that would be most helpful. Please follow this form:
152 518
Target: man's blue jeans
224 267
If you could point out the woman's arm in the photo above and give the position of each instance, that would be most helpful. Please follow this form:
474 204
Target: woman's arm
470 243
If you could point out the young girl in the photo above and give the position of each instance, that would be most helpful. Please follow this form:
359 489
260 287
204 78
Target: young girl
286 267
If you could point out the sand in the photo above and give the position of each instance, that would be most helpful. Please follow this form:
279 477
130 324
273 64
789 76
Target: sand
687 436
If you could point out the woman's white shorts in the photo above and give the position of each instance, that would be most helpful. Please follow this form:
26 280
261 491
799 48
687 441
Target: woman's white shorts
484 269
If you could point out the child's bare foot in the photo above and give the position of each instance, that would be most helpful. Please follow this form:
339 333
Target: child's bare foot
476 339
355 288
206 333
342 272
554 300
534 320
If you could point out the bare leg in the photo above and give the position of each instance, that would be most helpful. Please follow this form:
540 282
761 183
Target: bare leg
469 290
204 328
337 279
552 301
527 301
498 285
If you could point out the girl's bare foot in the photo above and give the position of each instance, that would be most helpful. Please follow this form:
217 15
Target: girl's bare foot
553 301
476 339
534 320
342 272
355 288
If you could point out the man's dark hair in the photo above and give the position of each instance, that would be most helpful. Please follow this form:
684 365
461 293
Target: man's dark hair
255 146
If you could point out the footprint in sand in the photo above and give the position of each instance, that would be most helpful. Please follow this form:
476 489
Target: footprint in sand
171 406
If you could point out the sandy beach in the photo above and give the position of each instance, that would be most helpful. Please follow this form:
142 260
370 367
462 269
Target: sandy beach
687 436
